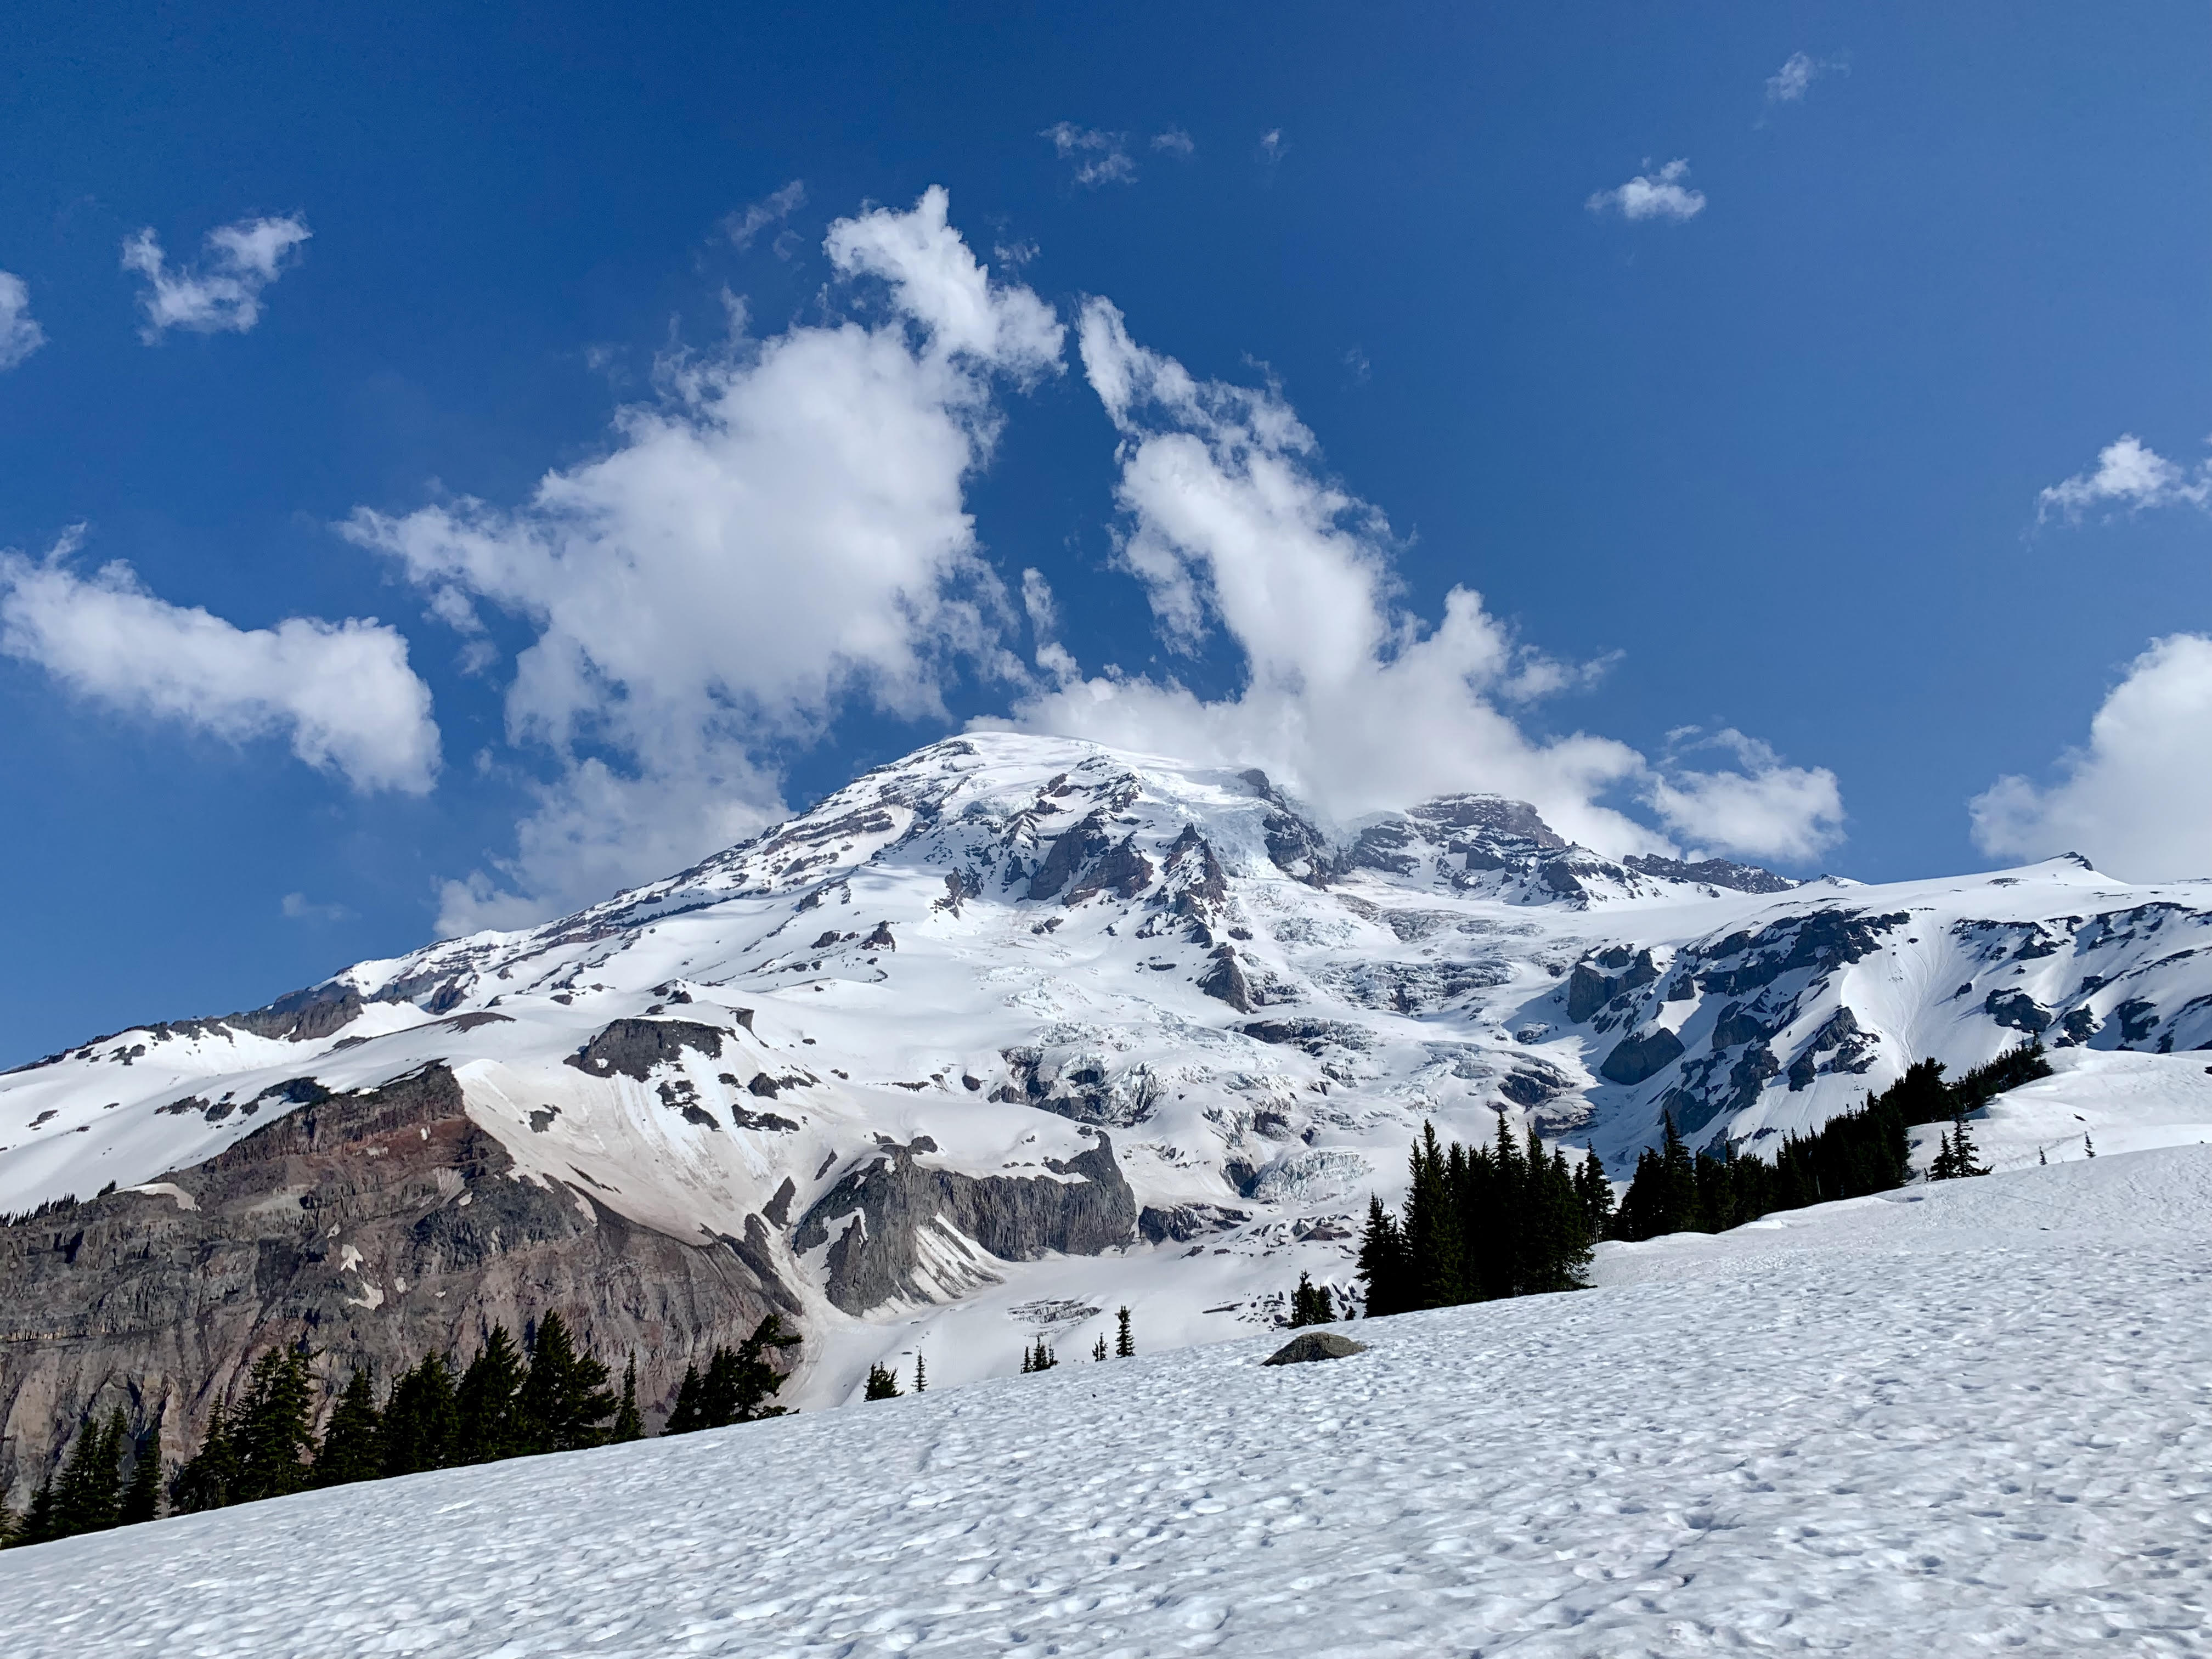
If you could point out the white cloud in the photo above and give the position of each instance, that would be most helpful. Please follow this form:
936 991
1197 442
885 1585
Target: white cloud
2137 801
1272 145
1659 195
297 906
19 333
1100 158
225 294
782 531
1789 83
742 227
1175 142
1764 810
1349 701
2129 474
341 693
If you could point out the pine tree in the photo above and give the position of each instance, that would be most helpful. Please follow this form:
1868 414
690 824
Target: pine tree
920 1374
490 1425
565 1398
1595 1193
422 1419
1964 1151
352 1440
629 1423
2088 1146
206 1480
271 1430
1309 1303
1038 1357
1125 1342
1432 1227
38 1523
882 1383
687 1416
10 1527
737 1386
1382 1262
1098 1348
141 1499
88 1493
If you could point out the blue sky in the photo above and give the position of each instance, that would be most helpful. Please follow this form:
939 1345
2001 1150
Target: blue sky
1820 492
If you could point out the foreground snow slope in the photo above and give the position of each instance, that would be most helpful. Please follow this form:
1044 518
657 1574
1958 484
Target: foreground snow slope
1956 1419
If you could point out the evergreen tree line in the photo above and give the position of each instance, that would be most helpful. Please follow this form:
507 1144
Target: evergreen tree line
1039 1356
1480 1223
264 1445
1862 1152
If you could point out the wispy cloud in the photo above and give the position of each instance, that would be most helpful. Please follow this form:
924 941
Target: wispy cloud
2128 476
341 692
1174 141
1274 146
1655 195
770 211
19 333
1100 158
780 535
1233 527
2136 799
1789 83
297 906
223 293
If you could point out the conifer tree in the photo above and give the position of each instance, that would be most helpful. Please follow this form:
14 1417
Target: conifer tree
629 1423
141 1499
920 1374
38 1525
1098 1348
687 1416
352 1447
1125 1342
1382 1262
422 1419
88 1492
565 1398
737 1386
490 1425
1038 1357
10 1527
2088 1146
882 1383
1432 1227
206 1479
1309 1303
271 1430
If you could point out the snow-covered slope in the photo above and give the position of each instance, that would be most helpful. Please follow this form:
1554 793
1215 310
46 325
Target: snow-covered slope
1949 1420
1200 1024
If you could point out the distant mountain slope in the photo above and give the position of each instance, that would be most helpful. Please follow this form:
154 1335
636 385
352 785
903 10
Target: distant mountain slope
991 1040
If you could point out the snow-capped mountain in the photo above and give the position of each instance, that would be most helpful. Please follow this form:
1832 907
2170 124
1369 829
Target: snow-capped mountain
992 1041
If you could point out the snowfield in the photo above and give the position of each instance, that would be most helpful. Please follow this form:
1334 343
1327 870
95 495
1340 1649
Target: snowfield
1969 1418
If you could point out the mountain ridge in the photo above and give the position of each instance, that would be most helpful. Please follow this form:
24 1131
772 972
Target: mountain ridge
1016 1029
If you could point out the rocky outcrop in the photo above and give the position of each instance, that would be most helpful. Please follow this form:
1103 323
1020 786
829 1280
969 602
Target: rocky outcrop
632 1047
1636 1058
378 1226
876 1217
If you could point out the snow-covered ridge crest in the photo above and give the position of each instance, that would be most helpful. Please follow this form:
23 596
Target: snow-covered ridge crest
1019 1022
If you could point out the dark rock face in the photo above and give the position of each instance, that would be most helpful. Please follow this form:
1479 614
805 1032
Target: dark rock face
874 1219
380 1226
1070 852
1713 873
2018 1009
1294 845
1183 1222
303 1015
1304 1349
1634 1059
1124 872
634 1047
1226 980
1823 942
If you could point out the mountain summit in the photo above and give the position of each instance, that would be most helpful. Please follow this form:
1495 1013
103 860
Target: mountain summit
995 1039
